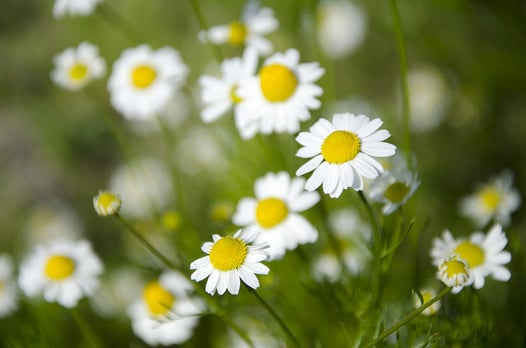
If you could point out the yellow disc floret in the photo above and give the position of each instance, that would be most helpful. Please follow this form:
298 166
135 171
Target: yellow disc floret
340 146
490 197
78 72
396 192
237 32
473 254
228 253
277 82
143 76
457 270
158 300
270 212
59 267
107 203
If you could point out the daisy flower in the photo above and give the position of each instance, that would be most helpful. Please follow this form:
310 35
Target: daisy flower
8 288
279 96
393 188
143 81
76 67
249 31
63 271
495 200
74 7
230 259
165 314
106 203
484 254
455 272
427 294
274 212
219 94
341 152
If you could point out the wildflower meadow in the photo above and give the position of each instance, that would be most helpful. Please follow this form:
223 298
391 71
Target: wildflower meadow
323 173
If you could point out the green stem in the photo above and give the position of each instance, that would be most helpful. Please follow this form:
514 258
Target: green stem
113 17
402 56
86 330
408 318
204 26
275 316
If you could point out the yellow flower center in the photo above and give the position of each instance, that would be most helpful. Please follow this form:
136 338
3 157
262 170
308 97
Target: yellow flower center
396 192
426 296
228 253
270 212
59 267
158 300
277 82
78 72
143 76
473 254
171 220
237 32
107 199
340 146
490 197
235 98
454 268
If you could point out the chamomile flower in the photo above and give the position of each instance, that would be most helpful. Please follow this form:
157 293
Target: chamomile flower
427 294
274 212
393 188
455 272
76 67
248 32
484 254
106 203
63 271
279 96
143 81
342 152
230 259
165 314
495 200
8 288
220 94
74 7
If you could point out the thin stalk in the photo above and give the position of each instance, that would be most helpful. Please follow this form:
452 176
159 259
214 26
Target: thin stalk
204 26
402 56
86 330
408 318
275 316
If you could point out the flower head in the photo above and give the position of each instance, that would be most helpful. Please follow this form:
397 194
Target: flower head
275 212
455 272
143 81
63 271
495 200
393 188
107 203
279 96
230 259
74 7
76 67
8 288
342 152
427 294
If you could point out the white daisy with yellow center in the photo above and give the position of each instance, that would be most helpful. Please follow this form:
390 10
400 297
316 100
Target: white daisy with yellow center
63 271
144 81
107 203
230 259
219 95
248 32
8 288
342 152
274 212
484 254
166 314
74 7
76 67
393 188
455 272
427 295
495 200
279 97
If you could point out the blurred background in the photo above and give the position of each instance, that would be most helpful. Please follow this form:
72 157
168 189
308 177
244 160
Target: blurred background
58 148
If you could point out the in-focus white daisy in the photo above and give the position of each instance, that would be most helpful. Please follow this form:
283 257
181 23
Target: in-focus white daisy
8 288
220 94
393 188
230 259
63 271
279 96
274 212
342 152
76 67
341 27
427 294
455 272
249 31
74 7
166 314
106 203
495 200
484 254
143 81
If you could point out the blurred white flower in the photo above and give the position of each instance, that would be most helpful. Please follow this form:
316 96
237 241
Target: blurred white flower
427 294
393 188
143 81
8 288
63 271
341 27
106 203
76 67
74 7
